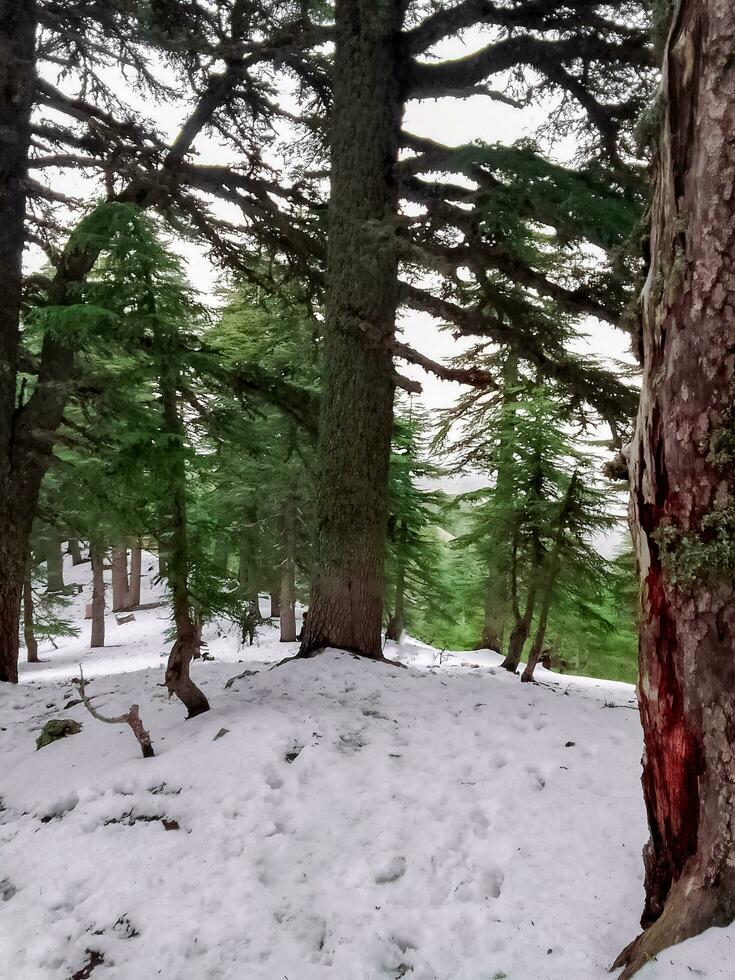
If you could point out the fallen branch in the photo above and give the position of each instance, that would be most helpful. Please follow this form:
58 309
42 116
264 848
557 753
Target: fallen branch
131 717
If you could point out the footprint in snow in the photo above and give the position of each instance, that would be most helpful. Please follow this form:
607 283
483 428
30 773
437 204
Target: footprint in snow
390 870
537 780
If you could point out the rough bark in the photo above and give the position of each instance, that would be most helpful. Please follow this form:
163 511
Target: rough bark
120 584
683 482
18 486
29 636
186 646
96 555
362 296
136 565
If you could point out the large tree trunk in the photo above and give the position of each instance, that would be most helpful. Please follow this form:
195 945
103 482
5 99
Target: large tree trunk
683 487
186 646
136 564
362 296
96 555
120 585
29 636
18 488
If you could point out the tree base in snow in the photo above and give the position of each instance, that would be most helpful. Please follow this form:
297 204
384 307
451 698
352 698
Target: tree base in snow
690 909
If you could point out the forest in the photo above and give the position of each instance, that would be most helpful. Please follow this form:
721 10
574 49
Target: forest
367 489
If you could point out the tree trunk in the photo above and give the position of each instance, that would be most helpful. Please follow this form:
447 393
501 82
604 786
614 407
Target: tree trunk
276 601
553 567
288 601
497 595
75 551
398 619
222 555
28 634
493 626
96 555
683 488
120 585
136 563
18 486
54 562
347 601
186 646
537 648
519 635
522 625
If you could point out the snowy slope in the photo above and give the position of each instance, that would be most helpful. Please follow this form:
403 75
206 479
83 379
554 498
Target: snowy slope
356 821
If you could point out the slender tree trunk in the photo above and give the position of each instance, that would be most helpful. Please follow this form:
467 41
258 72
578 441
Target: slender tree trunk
186 646
18 486
54 562
347 601
275 601
75 551
222 555
96 555
398 619
120 584
522 624
136 565
683 493
519 634
288 601
553 567
497 594
537 647
493 626
28 634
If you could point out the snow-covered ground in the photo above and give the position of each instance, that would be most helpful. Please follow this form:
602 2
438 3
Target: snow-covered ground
332 819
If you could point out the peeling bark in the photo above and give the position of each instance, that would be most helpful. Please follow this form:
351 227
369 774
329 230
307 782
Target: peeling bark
680 479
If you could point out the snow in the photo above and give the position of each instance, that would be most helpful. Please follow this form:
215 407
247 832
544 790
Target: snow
355 821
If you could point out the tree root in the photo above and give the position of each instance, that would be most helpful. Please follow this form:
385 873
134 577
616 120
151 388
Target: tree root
690 909
310 654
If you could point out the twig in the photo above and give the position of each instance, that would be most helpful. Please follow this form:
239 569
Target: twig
131 717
